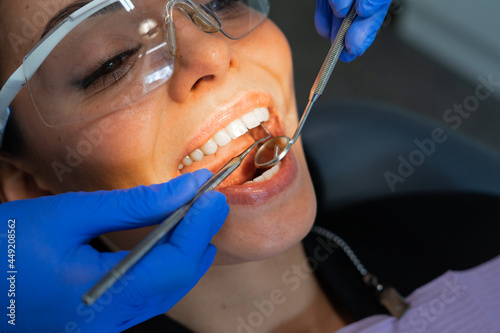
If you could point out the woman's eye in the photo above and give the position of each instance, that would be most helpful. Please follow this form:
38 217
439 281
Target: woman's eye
226 7
109 72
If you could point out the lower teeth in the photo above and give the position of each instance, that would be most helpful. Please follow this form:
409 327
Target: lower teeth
266 175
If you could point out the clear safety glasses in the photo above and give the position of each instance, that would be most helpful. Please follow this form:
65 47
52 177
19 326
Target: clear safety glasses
110 53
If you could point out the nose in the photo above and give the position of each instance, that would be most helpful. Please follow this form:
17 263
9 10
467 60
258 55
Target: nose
201 58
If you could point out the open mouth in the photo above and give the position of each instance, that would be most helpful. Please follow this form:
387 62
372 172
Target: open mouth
230 141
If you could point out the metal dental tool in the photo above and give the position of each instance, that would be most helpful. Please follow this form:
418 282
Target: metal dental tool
275 149
168 224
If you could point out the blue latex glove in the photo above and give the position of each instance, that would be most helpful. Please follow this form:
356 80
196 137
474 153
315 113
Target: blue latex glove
55 265
371 13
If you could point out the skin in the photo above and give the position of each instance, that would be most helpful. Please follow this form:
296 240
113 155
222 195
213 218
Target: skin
145 143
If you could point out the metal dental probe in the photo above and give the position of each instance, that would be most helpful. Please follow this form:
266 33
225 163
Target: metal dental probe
163 228
275 149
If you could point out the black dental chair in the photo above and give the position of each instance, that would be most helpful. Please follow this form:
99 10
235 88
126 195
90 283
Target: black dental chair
444 215
352 145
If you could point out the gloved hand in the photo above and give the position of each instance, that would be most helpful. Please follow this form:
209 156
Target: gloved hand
55 265
371 13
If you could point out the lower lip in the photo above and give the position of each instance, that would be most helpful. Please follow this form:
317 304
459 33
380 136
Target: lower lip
258 193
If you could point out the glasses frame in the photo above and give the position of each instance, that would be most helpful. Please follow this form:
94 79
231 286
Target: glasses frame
34 59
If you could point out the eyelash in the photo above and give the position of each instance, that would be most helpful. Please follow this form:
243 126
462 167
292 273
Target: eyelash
123 61
225 8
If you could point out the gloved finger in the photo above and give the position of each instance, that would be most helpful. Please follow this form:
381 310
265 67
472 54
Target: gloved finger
161 302
171 265
174 281
323 18
367 8
182 254
131 208
194 222
206 260
362 32
200 224
340 8
346 56
335 27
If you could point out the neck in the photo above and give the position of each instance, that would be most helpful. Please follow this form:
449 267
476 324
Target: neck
272 295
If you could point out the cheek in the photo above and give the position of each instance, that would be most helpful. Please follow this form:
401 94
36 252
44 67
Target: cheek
266 51
115 151
269 49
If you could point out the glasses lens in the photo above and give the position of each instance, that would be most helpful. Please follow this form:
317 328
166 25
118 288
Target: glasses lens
117 55
238 17
108 61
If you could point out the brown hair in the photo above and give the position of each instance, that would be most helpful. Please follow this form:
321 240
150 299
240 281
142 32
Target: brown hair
13 142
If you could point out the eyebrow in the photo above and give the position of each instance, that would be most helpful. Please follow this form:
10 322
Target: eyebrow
70 9
63 14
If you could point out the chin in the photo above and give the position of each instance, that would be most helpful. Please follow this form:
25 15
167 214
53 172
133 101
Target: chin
270 211
269 217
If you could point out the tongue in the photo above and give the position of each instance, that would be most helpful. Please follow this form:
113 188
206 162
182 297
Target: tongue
245 172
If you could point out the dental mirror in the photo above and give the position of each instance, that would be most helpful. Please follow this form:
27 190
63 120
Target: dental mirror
276 148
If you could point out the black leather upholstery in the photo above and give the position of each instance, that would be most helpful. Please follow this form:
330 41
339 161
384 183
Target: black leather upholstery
352 146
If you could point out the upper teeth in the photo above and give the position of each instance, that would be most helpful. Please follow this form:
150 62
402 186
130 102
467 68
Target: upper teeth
232 131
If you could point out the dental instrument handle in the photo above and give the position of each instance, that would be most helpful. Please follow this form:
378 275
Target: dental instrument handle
327 68
155 236
138 252
134 255
334 53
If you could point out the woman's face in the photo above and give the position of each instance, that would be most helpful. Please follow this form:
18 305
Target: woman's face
215 82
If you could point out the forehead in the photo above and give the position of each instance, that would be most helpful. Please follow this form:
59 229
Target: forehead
22 23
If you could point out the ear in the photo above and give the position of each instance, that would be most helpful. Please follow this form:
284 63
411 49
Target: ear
17 184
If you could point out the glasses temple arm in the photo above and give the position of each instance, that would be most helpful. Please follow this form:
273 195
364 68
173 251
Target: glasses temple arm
9 91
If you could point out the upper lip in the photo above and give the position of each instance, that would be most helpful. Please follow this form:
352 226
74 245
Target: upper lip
230 112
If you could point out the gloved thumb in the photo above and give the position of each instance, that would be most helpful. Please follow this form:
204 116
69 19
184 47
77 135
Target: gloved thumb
128 209
178 264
